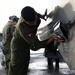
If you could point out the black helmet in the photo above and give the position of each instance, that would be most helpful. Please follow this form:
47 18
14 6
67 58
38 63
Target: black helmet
14 18
28 13
10 17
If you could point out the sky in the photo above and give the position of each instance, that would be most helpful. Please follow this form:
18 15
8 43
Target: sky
14 7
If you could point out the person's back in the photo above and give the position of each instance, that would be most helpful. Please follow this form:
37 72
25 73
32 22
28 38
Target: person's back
7 34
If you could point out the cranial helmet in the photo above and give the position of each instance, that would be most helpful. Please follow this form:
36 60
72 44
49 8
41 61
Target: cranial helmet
28 13
14 18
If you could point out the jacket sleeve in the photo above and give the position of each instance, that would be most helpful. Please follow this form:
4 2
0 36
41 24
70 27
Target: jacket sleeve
39 15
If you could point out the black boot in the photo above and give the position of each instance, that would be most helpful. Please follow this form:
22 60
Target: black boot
50 63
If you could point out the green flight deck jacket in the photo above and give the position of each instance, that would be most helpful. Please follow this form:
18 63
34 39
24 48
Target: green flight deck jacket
7 34
23 39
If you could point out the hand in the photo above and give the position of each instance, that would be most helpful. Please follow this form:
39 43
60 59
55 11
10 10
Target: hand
54 37
45 15
50 15
61 40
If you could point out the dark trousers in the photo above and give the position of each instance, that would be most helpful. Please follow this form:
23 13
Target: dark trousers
19 62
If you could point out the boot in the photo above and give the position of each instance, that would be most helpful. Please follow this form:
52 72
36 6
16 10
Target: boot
50 63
